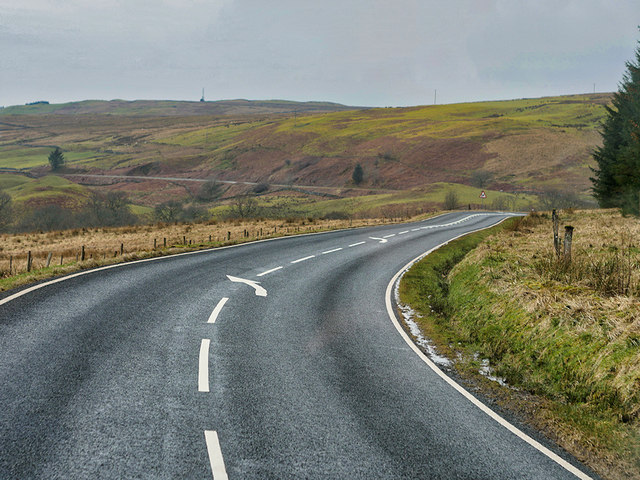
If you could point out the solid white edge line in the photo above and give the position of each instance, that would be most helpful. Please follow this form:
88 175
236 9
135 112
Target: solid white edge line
356 244
303 259
269 271
203 366
331 251
215 455
216 311
516 431
164 257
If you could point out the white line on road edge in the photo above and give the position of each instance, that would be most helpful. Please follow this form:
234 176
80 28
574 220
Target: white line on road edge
516 431
269 271
217 310
331 251
203 366
215 455
303 259
356 244
260 291
167 257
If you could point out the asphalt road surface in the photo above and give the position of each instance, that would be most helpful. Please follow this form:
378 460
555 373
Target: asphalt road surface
186 367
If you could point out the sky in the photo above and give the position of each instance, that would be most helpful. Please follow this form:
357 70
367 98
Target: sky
355 52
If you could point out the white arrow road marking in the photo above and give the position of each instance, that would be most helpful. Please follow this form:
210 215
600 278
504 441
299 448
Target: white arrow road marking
382 240
203 369
268 271
260 291
303 259
217 310
215 455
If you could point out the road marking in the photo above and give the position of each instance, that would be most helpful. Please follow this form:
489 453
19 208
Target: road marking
203 366
331 251
389 236
303 259
356 244
215 455
415 229
513 429
260 291
402 233
382 240
268 271
216 311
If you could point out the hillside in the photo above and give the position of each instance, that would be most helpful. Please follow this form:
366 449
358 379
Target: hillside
174 108
525 146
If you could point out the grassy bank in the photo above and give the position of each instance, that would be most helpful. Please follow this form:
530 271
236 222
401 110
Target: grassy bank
566 337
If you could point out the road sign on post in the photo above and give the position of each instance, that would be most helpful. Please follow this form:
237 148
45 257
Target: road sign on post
482 197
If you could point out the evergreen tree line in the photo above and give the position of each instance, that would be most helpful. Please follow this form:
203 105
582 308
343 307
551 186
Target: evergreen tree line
616 180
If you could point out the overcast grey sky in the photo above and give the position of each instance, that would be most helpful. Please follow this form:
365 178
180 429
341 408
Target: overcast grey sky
357 52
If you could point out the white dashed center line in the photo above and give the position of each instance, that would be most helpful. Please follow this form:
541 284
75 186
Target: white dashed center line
215 455
217 310
268 271
203 370
356 244
402 233
303 259
331 251
389 236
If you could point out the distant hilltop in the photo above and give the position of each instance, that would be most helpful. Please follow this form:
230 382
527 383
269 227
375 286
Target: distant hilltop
175 108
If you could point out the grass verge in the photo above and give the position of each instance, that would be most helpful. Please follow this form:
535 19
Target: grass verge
571 366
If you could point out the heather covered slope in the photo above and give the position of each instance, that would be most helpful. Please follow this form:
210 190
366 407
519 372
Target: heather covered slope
529 145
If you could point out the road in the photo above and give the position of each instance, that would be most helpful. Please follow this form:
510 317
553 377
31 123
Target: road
276 359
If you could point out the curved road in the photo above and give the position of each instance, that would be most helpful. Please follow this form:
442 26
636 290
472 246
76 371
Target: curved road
186 367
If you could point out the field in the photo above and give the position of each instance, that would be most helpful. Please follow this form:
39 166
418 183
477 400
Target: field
522 146
564 336
102 246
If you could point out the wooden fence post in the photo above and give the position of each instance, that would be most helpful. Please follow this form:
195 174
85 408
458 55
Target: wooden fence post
49 259
29 261
61 259
155 244
556 238
82 254
10 264
122 249
165 242
568 239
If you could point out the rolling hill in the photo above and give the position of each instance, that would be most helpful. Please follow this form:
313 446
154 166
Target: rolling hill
524 146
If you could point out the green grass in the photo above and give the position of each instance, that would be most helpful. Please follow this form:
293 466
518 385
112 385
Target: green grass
10 180
550 359
49 189
30 157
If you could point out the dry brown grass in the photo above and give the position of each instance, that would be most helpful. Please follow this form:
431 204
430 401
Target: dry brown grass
102 245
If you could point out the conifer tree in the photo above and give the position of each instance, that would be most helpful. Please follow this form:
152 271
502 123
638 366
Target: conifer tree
56 159
358 174
616 180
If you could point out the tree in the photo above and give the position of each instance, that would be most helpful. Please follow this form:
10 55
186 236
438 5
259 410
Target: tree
481 178
209 191
616 180
56 159
451 200
358 174
6 211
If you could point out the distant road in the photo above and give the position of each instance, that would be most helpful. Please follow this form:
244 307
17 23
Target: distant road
274 359
231 182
